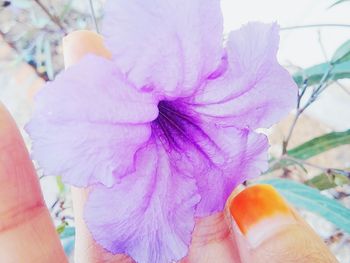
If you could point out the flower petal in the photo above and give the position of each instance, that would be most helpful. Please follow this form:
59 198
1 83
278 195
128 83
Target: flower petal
219 158
167 45
94 90
255 91
83 119
149 215
244 156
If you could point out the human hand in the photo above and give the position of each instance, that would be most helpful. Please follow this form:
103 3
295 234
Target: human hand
257 226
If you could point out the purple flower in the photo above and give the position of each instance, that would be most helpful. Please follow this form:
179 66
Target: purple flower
164 131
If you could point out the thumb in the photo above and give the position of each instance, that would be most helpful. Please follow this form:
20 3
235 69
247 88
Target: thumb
266 229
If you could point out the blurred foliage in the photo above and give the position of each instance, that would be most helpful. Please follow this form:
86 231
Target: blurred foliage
67 236
339 2
303 196
328 180
35 29
310 149
314 74
338 67
307 194
61 187
320 144
342 54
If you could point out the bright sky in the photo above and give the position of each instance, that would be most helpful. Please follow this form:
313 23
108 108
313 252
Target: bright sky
299 46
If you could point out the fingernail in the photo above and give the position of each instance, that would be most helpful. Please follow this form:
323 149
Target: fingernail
259 212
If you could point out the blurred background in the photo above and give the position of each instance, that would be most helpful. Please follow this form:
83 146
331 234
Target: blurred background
310 152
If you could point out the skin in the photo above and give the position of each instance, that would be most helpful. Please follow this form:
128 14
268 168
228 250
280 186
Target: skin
27 233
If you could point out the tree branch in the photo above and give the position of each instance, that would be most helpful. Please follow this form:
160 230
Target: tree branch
53 18
313 26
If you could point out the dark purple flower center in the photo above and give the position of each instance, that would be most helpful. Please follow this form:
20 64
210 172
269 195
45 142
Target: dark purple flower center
175 126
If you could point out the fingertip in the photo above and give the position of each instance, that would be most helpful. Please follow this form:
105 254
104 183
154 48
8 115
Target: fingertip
234 193
266 228
79 43
255 206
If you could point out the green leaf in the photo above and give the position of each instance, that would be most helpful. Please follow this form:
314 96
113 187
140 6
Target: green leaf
326 181
339 2
68 246
310 149
60 184
61 228
314 74
342 54
68 231
311 199
320 144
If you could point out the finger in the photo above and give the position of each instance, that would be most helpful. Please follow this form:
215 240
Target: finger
212 241
86 249
26 230
75 46
79 43
266 229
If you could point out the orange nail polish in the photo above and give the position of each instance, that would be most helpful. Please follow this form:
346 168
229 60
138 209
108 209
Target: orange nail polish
258 211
